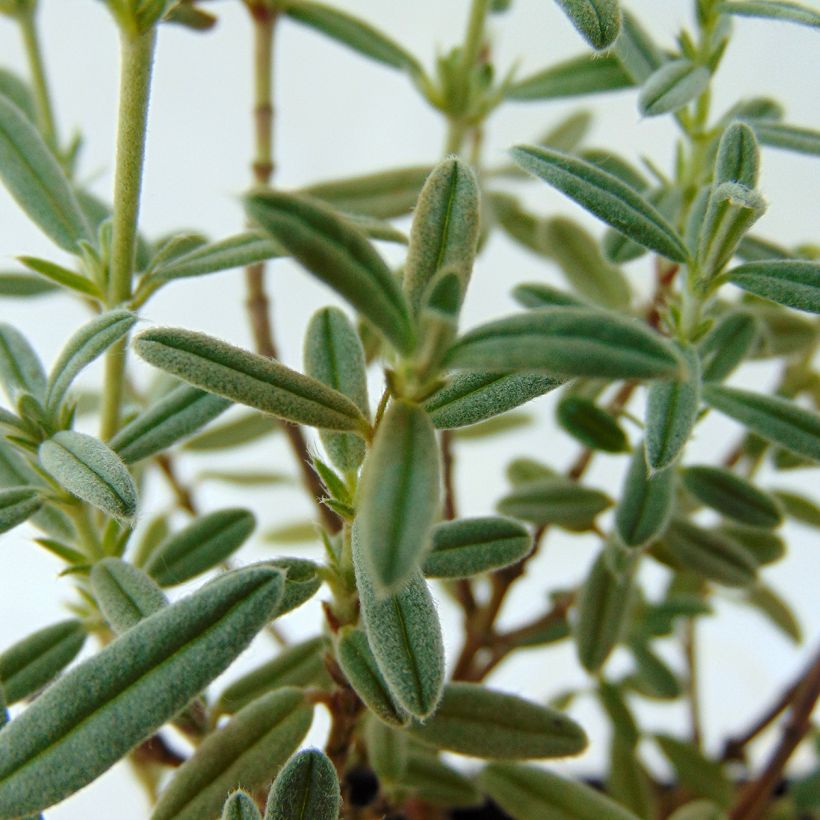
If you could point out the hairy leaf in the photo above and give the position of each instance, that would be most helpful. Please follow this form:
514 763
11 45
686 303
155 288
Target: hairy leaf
671 87
790 282
571 78
597 21
591 425
20 368
555 500
646 502
125 594
18 504
307 787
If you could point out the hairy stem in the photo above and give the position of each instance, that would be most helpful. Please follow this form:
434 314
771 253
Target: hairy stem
42 96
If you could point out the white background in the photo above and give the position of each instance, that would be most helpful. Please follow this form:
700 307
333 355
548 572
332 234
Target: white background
339 114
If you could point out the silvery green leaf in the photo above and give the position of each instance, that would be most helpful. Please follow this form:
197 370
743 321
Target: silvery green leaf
302 581
247 751
20 368
667 200
597 21
672 86
571 78
18 92
337 253
568 133
248 378
775 609
773 10
591 425
333 354
701 775
495 426
388 750
87 344
240 806
727 344
470 398
775 419
616 165
445 229
204 543
90 470
738 157
124 593
470 546
433 781
638 53
536 295
18 504
64 277
105 706
175 416
32 662
306 787
790 282
758 249
568 342
34 178
788 137
527 793
398 497
239 430
481 722
605 196
24 286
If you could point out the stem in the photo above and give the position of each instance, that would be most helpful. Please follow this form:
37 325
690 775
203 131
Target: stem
136 55
42 97
474 38
690 652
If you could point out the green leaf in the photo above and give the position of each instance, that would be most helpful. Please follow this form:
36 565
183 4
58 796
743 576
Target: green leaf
672 86
245 478
727 344
97 712
19 93
638 53
86 345
432 781
240 806
18 504
613 164
35 179
597 21
701 775
333 355
23 286
296 532
799 507
555 500
528 793
788 137
246 751
775 419
620 716
535 295
338 254
699 810
773 10
568 342
783 331
204 543
181 412
398 497
20 368
62 276
475 720
239 430
732 496
762 546
307 787
496 426
790 282
302 581
776 610
31 663
125 594
248 378
469 398
404 633
300 664
470 546
85 467
738 157
354 33
571 78
605 196
591 425
646 502
665 199
628 781
653 678
387 750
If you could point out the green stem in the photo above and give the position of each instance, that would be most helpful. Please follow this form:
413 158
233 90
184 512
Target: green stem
137 54
474 38
42 97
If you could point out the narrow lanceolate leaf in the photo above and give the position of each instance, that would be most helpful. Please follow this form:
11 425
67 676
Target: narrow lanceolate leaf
300 664
247 751
20 368
701 775
35 179
240 806
302 581
337 253
776 610
537 295
771 417
404 633
306 787
177 415
665 199
727 344
646 502
738 158
469 398
616 165
638 53
602 611
671 411
763 546
597 21
790 282
799 507
207 541
87 344
124 593
653 678
333 355
591 425
788 137
59 275
555 501
671 87
710 554
248 378
239 430
568 342
445 229
580 75
470 546
353 33
23 286
18 91
32 662
18 504
732 496
604 195
481 722
398 497
100 710
90 470
773 10
527 793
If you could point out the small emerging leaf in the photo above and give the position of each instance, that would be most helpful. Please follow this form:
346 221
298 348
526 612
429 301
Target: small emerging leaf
240 806
17 504
646 502
671 87
597 21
